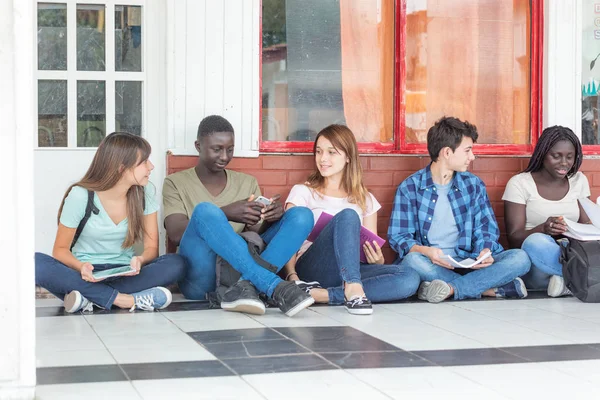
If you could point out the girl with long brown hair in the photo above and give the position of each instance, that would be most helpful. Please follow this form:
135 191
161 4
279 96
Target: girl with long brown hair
100 218
336 187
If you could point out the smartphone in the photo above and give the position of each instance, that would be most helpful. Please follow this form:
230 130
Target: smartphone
263 200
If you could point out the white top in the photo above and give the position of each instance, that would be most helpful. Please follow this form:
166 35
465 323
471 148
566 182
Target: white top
521 189
302 195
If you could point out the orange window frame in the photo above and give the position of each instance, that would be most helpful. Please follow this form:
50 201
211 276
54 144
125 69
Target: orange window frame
399 145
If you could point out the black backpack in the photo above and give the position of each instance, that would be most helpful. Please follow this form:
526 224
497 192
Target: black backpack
581 269
90 208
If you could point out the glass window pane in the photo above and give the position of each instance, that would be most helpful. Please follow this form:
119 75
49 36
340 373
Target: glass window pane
471 61
91 37
52 113
52 36
340 70
128 38
91 113
590 74
128 103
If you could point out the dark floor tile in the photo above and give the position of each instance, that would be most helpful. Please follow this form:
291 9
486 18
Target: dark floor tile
188 306
79 374
337 339
172 370
267 365
566 352
235 335
387 359
447 358
254 349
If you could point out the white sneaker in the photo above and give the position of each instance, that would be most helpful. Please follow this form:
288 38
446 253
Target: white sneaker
557 287
75 301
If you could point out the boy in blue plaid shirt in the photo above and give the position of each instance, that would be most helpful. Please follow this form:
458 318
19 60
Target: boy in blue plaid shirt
443 210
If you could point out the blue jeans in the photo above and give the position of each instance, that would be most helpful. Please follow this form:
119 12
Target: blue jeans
334 258
209 233
59 279
544 253
507 266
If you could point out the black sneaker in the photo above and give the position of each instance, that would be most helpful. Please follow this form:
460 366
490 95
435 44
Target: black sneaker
243 297
308 286
291 299
358 305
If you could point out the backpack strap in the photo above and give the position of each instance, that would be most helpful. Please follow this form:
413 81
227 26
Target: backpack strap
89 209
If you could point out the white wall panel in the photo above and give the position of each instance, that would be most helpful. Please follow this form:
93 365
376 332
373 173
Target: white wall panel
214 64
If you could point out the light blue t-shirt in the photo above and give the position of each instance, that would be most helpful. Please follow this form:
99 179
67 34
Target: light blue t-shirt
443 232
101 239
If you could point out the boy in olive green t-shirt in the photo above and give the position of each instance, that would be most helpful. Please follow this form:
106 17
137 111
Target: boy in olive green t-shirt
205 209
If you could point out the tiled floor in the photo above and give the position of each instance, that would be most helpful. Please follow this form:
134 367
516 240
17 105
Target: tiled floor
494 349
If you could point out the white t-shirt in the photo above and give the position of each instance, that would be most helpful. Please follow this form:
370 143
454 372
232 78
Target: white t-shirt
521 189
302 195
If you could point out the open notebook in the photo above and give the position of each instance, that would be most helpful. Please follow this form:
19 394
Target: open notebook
365 234
585 231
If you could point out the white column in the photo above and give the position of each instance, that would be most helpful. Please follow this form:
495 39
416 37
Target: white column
562 64
17 297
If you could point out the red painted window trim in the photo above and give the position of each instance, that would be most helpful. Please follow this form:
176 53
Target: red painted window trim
400 146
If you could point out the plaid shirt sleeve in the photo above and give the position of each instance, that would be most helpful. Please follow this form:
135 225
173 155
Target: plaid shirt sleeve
403 226
485 227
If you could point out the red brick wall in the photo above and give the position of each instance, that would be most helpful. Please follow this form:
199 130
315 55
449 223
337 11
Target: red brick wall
278 173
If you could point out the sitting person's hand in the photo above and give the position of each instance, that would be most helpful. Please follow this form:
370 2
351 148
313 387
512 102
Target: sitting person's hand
373 253
274 211
86 273
435 255
555 226
244 211
485 263
136 264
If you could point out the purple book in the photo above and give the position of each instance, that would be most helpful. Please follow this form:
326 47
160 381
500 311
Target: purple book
365 234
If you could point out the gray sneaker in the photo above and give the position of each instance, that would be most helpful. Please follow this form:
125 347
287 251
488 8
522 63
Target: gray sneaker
437 291
557 287
243 297
423 288
291 299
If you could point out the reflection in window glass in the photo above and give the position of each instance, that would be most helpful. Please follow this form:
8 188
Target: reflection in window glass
590 74
128 103
469 61
128 38
91 38
340 70
52 36
91 113
52 113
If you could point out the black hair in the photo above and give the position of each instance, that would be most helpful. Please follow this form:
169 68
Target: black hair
550 136
448 132
212 124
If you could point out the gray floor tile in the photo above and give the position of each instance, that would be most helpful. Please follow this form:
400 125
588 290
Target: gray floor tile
235 335
171 370
254 349
388 359
446 358
267 365
53 312
335 339
79 374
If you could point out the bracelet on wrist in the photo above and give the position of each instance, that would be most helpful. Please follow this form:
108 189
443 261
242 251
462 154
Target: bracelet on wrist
290 274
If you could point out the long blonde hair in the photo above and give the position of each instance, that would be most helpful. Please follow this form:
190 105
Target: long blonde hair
342 138
117 153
